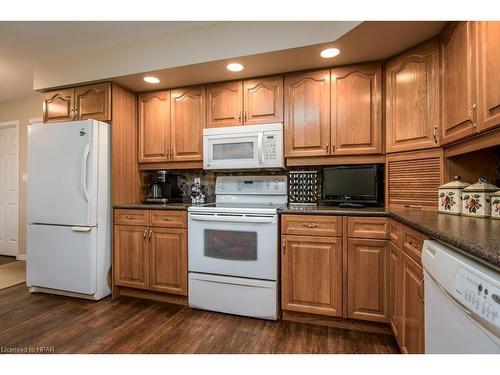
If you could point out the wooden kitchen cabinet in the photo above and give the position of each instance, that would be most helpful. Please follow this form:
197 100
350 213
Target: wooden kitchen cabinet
225 104
153 256
368 227
263 100
79 103
458 81
93 102
412 99
154 127
366 275
169 268
311 274
488 111
356 109
58 105
307 114
131 256
187 123
413 324
395 274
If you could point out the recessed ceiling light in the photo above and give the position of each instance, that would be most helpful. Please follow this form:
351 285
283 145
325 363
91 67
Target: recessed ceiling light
151 79
329 52
234 67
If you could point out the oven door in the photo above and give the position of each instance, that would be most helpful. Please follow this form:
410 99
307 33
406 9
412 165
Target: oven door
233 151
234 245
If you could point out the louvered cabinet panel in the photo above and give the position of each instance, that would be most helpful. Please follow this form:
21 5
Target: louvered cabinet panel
413 179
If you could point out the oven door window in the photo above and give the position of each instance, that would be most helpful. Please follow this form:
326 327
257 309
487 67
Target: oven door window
229 244
233 150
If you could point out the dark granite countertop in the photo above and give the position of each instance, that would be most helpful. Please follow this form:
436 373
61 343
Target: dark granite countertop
155 206
477 237
332 210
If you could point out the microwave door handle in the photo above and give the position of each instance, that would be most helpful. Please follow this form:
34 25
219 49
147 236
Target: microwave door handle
259 149
233 219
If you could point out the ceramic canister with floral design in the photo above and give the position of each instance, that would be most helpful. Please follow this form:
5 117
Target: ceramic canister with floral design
495 205
476 199
450 196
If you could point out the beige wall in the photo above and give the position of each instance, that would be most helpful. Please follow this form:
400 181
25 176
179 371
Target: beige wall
22 110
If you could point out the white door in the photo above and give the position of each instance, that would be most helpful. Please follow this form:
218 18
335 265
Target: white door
9 188
62 258
62 178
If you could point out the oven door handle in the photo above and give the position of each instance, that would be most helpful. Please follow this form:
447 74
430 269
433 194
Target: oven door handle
233 219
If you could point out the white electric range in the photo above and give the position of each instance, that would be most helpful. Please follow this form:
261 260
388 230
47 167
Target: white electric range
233 247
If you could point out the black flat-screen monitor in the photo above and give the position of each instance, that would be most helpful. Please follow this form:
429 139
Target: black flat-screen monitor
353 185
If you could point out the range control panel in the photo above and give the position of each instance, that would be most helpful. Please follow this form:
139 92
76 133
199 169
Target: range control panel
478 295
255 185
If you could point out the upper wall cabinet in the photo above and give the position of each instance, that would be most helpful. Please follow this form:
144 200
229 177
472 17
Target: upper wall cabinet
93 102
154 127
263 100
187 122
256 101
307 114
80 103
225 104
458 81
412 99
488 34
356 123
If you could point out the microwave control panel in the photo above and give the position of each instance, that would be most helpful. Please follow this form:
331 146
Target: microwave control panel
270 147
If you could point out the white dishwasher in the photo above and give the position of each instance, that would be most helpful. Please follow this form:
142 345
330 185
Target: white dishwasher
462 303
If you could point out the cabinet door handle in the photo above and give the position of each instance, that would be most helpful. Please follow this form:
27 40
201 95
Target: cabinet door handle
144 234
149 235
245 118
72 113
434 134
471 116
418 290
310 225
172 152
283 246
239 116
327 147
168 153
414 244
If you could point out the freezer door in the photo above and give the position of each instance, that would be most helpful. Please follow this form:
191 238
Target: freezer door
62 173
62 258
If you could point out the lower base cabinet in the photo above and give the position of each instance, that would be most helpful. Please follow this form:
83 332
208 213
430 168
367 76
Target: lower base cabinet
311 274
151 257
366 279
413 307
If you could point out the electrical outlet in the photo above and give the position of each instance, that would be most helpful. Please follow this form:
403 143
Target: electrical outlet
24 177
197 180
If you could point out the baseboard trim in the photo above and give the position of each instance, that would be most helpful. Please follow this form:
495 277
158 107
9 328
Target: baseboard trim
343 323
21 257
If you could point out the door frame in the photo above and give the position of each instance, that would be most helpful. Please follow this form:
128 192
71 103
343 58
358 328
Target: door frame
15 124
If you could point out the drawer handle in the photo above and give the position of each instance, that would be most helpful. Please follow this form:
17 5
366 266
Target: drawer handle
310 225
166 219
413 206
414 244
130 217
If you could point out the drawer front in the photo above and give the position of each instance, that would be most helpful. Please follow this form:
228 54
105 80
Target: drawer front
169 219
368 227
412 243
312 225
131 217
395 234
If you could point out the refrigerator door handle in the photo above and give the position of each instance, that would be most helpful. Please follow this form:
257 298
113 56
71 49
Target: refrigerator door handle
81 229
86 153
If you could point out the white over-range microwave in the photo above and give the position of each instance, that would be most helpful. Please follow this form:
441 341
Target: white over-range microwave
243 147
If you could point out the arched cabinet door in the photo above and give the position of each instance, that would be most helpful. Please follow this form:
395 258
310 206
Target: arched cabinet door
225 104
93 102
307 114
412 99
187 123
356 109
263 100
154 127
58 106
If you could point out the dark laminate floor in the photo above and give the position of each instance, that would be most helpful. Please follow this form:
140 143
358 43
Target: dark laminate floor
4 259
128 325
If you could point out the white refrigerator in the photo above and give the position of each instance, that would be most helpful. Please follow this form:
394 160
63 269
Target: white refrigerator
69 213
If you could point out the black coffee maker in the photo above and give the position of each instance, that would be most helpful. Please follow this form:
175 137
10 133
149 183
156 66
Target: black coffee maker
162 188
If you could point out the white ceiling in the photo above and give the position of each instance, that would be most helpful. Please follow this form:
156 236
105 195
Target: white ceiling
24 44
